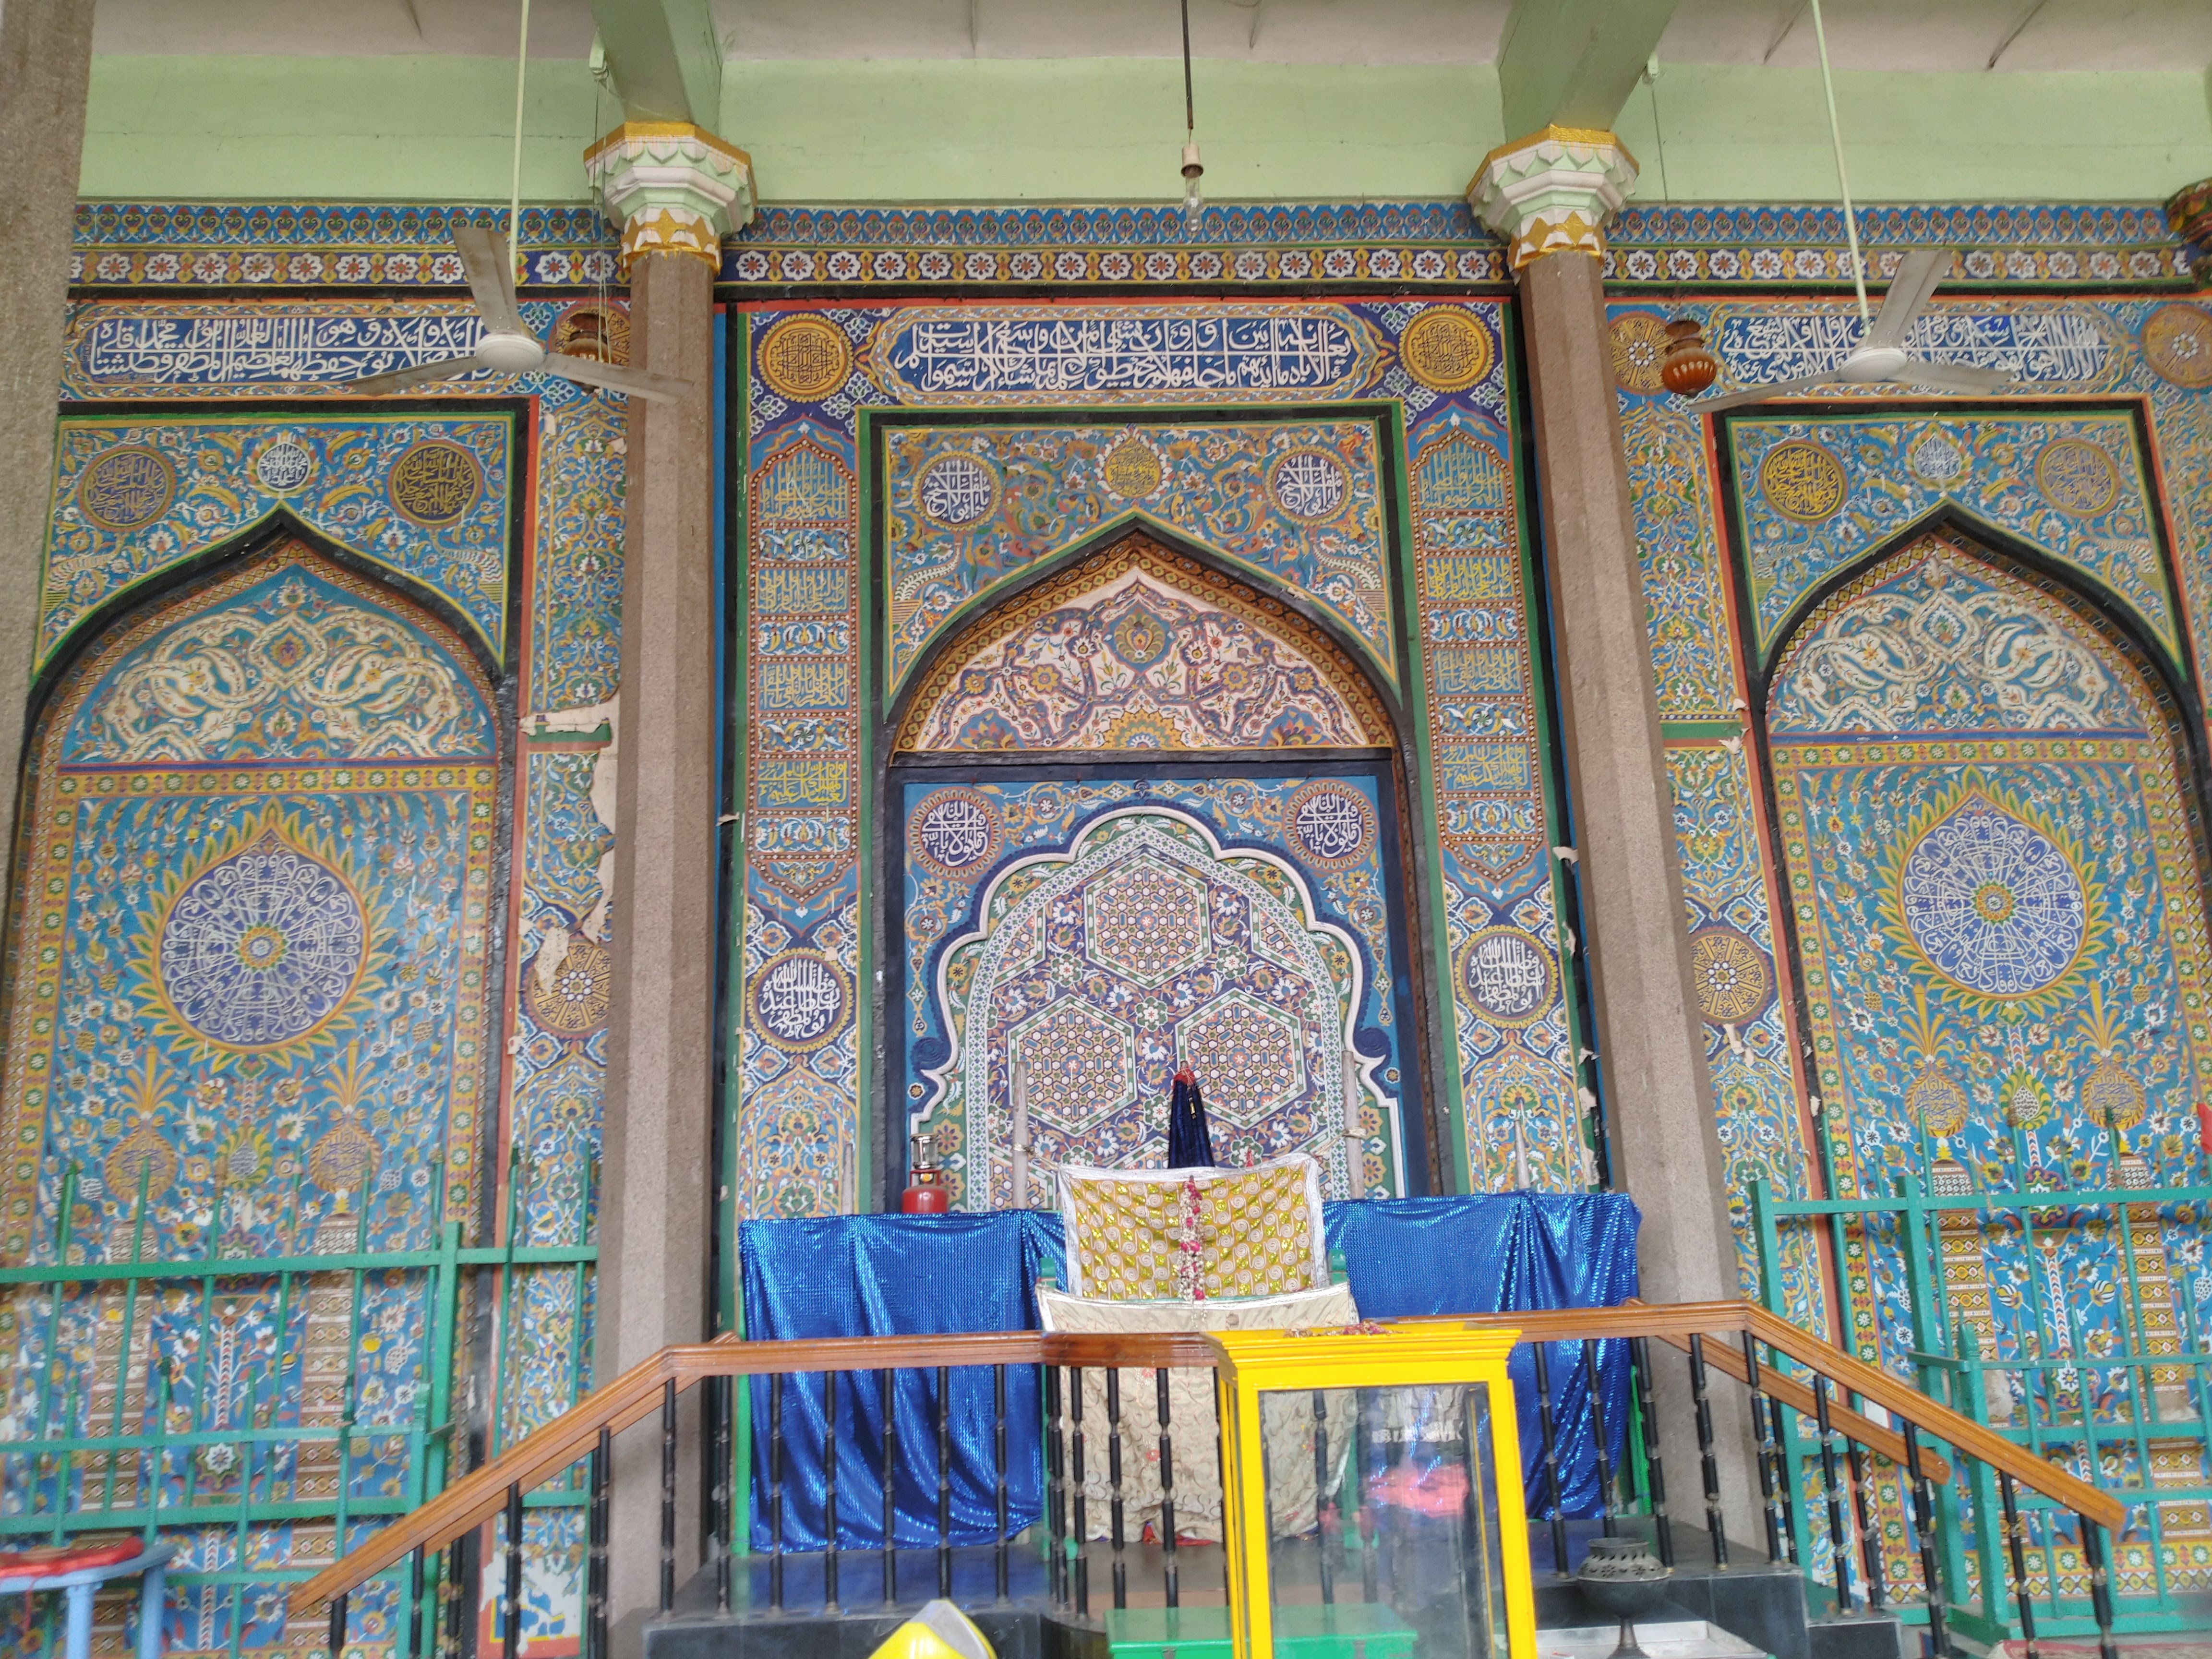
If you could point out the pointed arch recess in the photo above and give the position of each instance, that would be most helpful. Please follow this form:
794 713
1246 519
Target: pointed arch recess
256 839
1138 647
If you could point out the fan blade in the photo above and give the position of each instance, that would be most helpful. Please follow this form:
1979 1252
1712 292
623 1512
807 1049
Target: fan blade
1918 274
490 272
1759 394
615 377
398 380
1952 377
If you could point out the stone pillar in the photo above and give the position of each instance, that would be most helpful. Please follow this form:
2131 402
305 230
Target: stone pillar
46 56
1550 196
675 191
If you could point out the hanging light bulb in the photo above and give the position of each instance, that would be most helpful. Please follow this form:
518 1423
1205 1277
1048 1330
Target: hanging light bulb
1194 204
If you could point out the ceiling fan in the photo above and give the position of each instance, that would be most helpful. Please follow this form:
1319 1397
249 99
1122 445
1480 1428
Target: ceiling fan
1880 357
508 347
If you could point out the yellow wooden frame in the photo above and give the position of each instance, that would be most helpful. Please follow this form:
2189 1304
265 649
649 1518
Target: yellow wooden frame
1256 1362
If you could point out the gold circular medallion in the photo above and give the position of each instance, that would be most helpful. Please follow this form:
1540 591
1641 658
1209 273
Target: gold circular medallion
1131 469
1639 352
572 1000
1729 975
1802 481
2177 341
2076 477
592 330
805 358
1446 349
435 484
126 487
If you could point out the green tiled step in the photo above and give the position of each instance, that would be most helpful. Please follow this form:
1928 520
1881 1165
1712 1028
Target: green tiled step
1303 1631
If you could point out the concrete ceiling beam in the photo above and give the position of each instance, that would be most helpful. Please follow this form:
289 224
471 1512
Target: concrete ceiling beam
1573 63
664 57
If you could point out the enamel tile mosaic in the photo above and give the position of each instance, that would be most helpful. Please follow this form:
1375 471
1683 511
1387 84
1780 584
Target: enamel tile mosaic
813 368
1096 937
428 497
969 506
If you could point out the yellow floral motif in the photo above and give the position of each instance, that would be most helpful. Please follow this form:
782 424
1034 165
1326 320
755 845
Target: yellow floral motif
1254 1231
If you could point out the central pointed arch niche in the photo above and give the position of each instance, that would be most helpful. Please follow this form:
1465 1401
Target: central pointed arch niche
1141 814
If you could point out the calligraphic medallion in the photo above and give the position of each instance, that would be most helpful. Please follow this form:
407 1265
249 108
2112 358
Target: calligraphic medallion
1309 484
1935 459
284 465
957 490
1639 352
126 487
805 358
142 1165
1994 905
1332 823
1729 976
571 1000
1508 975
261 947
1131 469
955 833
2177 341
800 1000
1802 481
2077 476
435 484
1935 1101
1446 349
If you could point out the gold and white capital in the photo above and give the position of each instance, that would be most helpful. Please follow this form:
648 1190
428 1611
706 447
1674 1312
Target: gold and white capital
673 188
1553 191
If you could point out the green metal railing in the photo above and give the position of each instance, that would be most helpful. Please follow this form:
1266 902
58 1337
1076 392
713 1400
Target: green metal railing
1995 1311
180 1395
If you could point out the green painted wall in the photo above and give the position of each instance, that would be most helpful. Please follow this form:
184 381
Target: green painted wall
439 128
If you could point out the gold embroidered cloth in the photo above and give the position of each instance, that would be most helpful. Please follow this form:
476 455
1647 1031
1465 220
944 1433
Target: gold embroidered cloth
1155 1235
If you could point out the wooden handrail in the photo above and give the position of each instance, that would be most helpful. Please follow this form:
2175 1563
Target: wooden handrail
637 1393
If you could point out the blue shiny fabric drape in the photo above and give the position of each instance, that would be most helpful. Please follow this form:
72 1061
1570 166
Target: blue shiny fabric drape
900 1275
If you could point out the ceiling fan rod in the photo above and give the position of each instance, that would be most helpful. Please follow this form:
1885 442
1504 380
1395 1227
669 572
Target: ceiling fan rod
1843 179
515 183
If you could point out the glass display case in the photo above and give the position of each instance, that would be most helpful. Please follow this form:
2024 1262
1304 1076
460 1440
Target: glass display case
1372 1480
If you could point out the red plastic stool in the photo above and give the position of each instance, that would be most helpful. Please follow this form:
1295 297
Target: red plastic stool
78 1570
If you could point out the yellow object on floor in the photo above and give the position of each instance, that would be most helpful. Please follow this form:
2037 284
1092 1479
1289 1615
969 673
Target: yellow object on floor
939 1630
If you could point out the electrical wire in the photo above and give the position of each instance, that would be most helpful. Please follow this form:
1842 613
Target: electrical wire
1189 105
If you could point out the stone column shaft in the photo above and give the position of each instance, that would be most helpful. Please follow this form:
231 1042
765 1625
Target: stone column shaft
1551 194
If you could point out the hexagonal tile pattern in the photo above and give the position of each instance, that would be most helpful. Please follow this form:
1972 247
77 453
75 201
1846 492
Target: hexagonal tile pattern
1082 1065
1147 922
1246 1054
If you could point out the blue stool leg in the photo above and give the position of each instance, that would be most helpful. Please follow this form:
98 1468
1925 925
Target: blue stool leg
149 1612
80 1622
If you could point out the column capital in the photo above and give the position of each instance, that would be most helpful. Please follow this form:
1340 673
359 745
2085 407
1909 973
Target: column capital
1553 191
673 187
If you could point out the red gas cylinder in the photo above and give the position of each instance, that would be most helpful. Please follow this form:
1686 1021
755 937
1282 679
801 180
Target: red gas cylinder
925 1192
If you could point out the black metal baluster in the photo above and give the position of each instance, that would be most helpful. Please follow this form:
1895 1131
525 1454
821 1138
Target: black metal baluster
1877 1589
1115 1507
510 1635
886 1393
2100 1584
829 1491
775 1492
725 1472
1839 1545
1655 1477
1707 1465
1765 1416
1549 1429
1923 1522
457 1607
595 1569
668 1495
1594 1369
2016 1543
944 1482
1081 1534
1055 1488
418 1576
1169 1572
1322 1505
337 1625
1000 1565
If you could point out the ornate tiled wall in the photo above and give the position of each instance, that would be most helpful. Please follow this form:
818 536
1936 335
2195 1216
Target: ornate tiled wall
2099 466
1266 434
206 423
